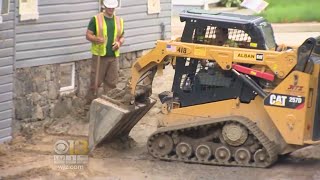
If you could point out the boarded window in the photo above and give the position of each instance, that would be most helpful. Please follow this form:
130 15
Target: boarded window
67 77
154 6
4 6
28 10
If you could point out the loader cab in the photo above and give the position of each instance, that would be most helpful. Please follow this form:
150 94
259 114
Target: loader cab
245 31
196 85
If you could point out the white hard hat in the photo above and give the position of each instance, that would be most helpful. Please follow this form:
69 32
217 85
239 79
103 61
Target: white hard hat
111 3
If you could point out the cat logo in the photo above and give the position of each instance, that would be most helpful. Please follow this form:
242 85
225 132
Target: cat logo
285 101
259 57
278 100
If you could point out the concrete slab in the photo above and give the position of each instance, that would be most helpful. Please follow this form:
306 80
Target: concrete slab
296 27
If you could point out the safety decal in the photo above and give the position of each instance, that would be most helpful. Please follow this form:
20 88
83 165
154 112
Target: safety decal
253 45
200 51
285 101
259 57
248 56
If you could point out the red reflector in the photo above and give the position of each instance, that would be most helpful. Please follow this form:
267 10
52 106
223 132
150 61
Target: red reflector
253 72
301 106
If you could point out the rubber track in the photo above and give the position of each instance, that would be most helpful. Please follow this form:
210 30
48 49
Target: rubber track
270 147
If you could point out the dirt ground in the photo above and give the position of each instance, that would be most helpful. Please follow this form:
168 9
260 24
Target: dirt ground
31 157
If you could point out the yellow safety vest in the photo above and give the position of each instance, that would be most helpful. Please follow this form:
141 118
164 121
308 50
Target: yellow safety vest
101 26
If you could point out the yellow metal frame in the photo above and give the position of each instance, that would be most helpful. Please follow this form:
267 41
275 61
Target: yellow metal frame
295 126
281 63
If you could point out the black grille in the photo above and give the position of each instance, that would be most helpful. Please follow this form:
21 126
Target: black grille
207 35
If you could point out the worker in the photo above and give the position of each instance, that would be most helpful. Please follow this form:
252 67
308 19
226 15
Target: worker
105 32
222 38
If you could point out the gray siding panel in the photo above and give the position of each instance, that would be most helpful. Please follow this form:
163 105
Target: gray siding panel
4 133
6 97
6 73
5 115
52 26
146 23
6 70
141 16
61 34
68 8
56 59
57 36
59 2
4 106
5 80
6 52
130 3
6 34
8 17
63 17
146 38
31 45
6 61
6 123
151 30
6 139
6 25
6 88
129 10
142 30
144 45
53 51
8 43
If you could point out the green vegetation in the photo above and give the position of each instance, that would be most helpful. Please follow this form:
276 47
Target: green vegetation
287 11
229 3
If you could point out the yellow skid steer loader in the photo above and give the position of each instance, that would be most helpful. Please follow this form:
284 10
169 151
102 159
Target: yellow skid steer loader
239 101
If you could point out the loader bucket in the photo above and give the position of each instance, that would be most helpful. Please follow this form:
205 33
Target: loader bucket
109 120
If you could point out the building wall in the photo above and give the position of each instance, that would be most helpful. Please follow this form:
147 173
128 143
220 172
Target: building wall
38 96
143 30
58 35
6 74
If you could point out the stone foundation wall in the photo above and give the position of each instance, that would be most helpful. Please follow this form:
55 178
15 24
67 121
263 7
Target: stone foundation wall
37 93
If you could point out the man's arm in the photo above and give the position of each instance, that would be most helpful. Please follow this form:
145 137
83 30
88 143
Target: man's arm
121 40
94 39
90 35
117 44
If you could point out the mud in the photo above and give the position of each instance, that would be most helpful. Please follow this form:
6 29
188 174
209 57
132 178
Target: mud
32 173
116 147
307 153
